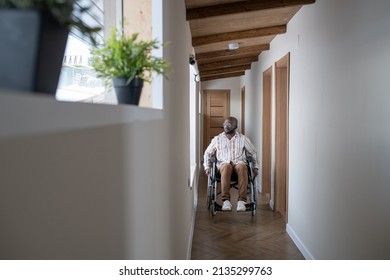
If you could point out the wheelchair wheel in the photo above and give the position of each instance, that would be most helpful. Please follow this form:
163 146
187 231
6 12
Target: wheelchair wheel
213 196
209 196
213 209
256 197
253 210
253 198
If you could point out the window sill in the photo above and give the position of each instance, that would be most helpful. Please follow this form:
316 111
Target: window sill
23 113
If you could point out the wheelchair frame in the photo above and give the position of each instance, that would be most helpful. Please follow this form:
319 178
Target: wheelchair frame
213 192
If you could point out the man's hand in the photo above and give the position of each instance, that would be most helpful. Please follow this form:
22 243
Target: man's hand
255 171
207 171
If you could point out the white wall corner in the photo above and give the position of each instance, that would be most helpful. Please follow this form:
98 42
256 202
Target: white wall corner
298 242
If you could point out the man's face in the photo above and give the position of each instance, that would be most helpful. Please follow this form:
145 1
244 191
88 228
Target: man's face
229 126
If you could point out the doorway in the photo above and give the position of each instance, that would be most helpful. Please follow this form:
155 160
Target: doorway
267 133
282 77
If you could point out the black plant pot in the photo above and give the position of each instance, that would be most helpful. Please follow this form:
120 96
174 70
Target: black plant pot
32 47
128 93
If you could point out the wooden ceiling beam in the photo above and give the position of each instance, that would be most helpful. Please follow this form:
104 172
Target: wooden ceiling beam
228 63
241 7
228 70
221 76
227 58
257 49
237 35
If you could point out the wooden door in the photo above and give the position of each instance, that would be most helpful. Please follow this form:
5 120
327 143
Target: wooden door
281 135
267 132
216 110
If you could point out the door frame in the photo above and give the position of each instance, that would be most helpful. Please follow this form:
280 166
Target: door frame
242 128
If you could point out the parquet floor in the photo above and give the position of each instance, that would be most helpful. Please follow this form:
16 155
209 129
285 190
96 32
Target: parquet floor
239 235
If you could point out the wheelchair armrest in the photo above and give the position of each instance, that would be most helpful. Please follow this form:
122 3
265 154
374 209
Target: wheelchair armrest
213 161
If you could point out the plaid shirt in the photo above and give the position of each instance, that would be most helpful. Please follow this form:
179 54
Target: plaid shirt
227 150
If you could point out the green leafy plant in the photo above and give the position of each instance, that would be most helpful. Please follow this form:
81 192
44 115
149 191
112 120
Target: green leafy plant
65 12
127 57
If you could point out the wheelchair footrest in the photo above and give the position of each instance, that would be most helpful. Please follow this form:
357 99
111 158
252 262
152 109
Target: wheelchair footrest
250 206
217 207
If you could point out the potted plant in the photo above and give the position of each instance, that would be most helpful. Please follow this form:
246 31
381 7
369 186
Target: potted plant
33 39
127 62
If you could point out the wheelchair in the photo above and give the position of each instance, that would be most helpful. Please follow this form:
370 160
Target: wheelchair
213 191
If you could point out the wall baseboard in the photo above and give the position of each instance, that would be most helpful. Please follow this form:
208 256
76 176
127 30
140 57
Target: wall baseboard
192 225
271 204
298 242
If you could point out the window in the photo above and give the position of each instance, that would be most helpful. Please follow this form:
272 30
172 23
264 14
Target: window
194 91
78 81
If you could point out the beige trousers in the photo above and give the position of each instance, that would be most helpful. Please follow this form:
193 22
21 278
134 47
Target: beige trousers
226 170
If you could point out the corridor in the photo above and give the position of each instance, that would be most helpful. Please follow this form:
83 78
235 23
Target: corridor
234 235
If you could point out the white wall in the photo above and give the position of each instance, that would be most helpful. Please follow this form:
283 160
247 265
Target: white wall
339 137
253 108
118 190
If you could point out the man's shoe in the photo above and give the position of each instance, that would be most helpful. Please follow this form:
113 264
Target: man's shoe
241 206
226 206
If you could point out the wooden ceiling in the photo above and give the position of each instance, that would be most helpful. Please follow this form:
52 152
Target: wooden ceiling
253 24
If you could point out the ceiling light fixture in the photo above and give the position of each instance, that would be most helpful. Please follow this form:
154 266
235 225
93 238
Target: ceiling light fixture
233 46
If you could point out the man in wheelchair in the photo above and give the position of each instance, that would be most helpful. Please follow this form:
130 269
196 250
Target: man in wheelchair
231 150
